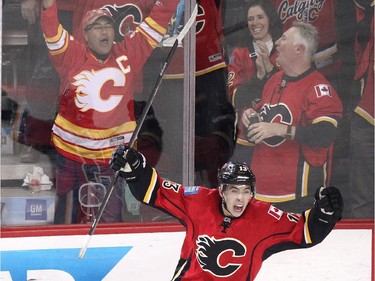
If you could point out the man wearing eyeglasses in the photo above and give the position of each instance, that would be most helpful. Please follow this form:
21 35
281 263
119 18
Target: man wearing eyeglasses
96 108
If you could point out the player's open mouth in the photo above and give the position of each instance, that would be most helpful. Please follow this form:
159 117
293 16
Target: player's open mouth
238 208
257 30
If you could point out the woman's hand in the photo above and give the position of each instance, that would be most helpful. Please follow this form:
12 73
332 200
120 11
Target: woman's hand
261 70
263 60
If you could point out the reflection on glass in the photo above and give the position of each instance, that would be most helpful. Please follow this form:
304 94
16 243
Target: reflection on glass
37 96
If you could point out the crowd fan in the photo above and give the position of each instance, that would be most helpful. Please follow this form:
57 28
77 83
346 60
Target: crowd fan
214 115
335 21
334 58
299 112
127 15
251 63
96 111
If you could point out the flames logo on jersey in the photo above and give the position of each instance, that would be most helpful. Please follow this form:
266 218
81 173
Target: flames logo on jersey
276 113
89 85
127 17
200 20
210 253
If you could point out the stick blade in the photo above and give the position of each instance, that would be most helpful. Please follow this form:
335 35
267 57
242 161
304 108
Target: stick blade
187 26
85 246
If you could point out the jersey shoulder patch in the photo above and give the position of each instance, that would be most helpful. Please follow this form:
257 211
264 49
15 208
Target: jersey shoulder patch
275 212
322 90
190 190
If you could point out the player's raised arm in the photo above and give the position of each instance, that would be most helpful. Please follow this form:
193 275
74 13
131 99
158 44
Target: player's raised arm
328 208
132 166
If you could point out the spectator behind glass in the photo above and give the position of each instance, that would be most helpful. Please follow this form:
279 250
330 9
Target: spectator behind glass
42 95
251 64
300 112
96 111
334 58
128 14
214 115
362 119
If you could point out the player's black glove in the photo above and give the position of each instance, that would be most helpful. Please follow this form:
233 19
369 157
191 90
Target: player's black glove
329 204
129 162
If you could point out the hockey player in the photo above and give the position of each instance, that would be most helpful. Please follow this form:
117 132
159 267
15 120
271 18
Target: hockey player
96 110
228 232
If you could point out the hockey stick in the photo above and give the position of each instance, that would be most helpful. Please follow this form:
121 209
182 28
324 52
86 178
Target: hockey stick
142 118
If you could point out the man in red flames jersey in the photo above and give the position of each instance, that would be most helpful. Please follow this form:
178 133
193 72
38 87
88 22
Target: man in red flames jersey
96 109
300 111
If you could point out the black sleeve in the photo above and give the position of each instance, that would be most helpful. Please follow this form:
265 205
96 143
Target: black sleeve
321 134
140 187
318 229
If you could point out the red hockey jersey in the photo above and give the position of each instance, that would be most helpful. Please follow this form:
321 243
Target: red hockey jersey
96 111
283 166
209 33
214 251
242 68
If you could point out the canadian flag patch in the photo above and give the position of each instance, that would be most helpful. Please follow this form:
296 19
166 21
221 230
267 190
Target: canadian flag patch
322 90
275 212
